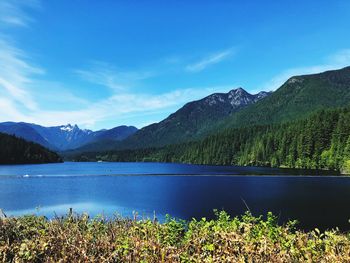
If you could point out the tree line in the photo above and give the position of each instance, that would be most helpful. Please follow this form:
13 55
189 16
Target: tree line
320 141
15 150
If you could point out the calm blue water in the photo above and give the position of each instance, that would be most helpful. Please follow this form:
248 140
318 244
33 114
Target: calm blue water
183 191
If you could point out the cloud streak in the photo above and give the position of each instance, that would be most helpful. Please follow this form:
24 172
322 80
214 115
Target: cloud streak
12 12
16 74
209 60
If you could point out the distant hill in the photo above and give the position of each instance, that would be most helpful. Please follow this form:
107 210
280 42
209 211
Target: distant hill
15 150
64 137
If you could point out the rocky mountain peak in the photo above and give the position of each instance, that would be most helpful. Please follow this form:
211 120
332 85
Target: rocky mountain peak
262 94
236 98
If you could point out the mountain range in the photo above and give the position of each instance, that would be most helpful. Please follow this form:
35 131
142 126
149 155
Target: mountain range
64 137
303 124
297 98
192 121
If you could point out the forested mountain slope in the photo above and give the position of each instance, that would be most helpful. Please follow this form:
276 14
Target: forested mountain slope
320 141
15 150
193 120
297 98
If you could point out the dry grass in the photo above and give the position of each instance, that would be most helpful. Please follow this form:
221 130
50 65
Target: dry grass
76 238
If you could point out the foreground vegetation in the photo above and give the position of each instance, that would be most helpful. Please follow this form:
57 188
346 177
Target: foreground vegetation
321 141
76 238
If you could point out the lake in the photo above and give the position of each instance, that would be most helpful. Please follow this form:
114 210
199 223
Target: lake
316 198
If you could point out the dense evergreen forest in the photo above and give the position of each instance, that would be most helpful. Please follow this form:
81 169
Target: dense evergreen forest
15 150
321 141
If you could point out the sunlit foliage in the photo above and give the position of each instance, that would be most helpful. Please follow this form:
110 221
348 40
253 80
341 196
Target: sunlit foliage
76 238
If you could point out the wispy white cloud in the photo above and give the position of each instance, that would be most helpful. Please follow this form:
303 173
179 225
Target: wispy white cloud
9 111
16 74
16 71
209 60
19 86
12 12
338 60
108 75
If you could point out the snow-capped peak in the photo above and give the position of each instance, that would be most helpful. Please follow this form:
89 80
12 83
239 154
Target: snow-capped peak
68 128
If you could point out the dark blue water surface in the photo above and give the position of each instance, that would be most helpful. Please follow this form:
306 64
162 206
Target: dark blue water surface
315 198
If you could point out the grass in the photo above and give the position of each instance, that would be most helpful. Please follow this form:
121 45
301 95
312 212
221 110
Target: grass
77 238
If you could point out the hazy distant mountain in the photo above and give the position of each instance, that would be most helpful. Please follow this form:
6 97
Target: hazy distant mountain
64 137
115 134
25 131
192 120
105 140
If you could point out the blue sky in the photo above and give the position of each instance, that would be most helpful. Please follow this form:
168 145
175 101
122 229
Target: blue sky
101 64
